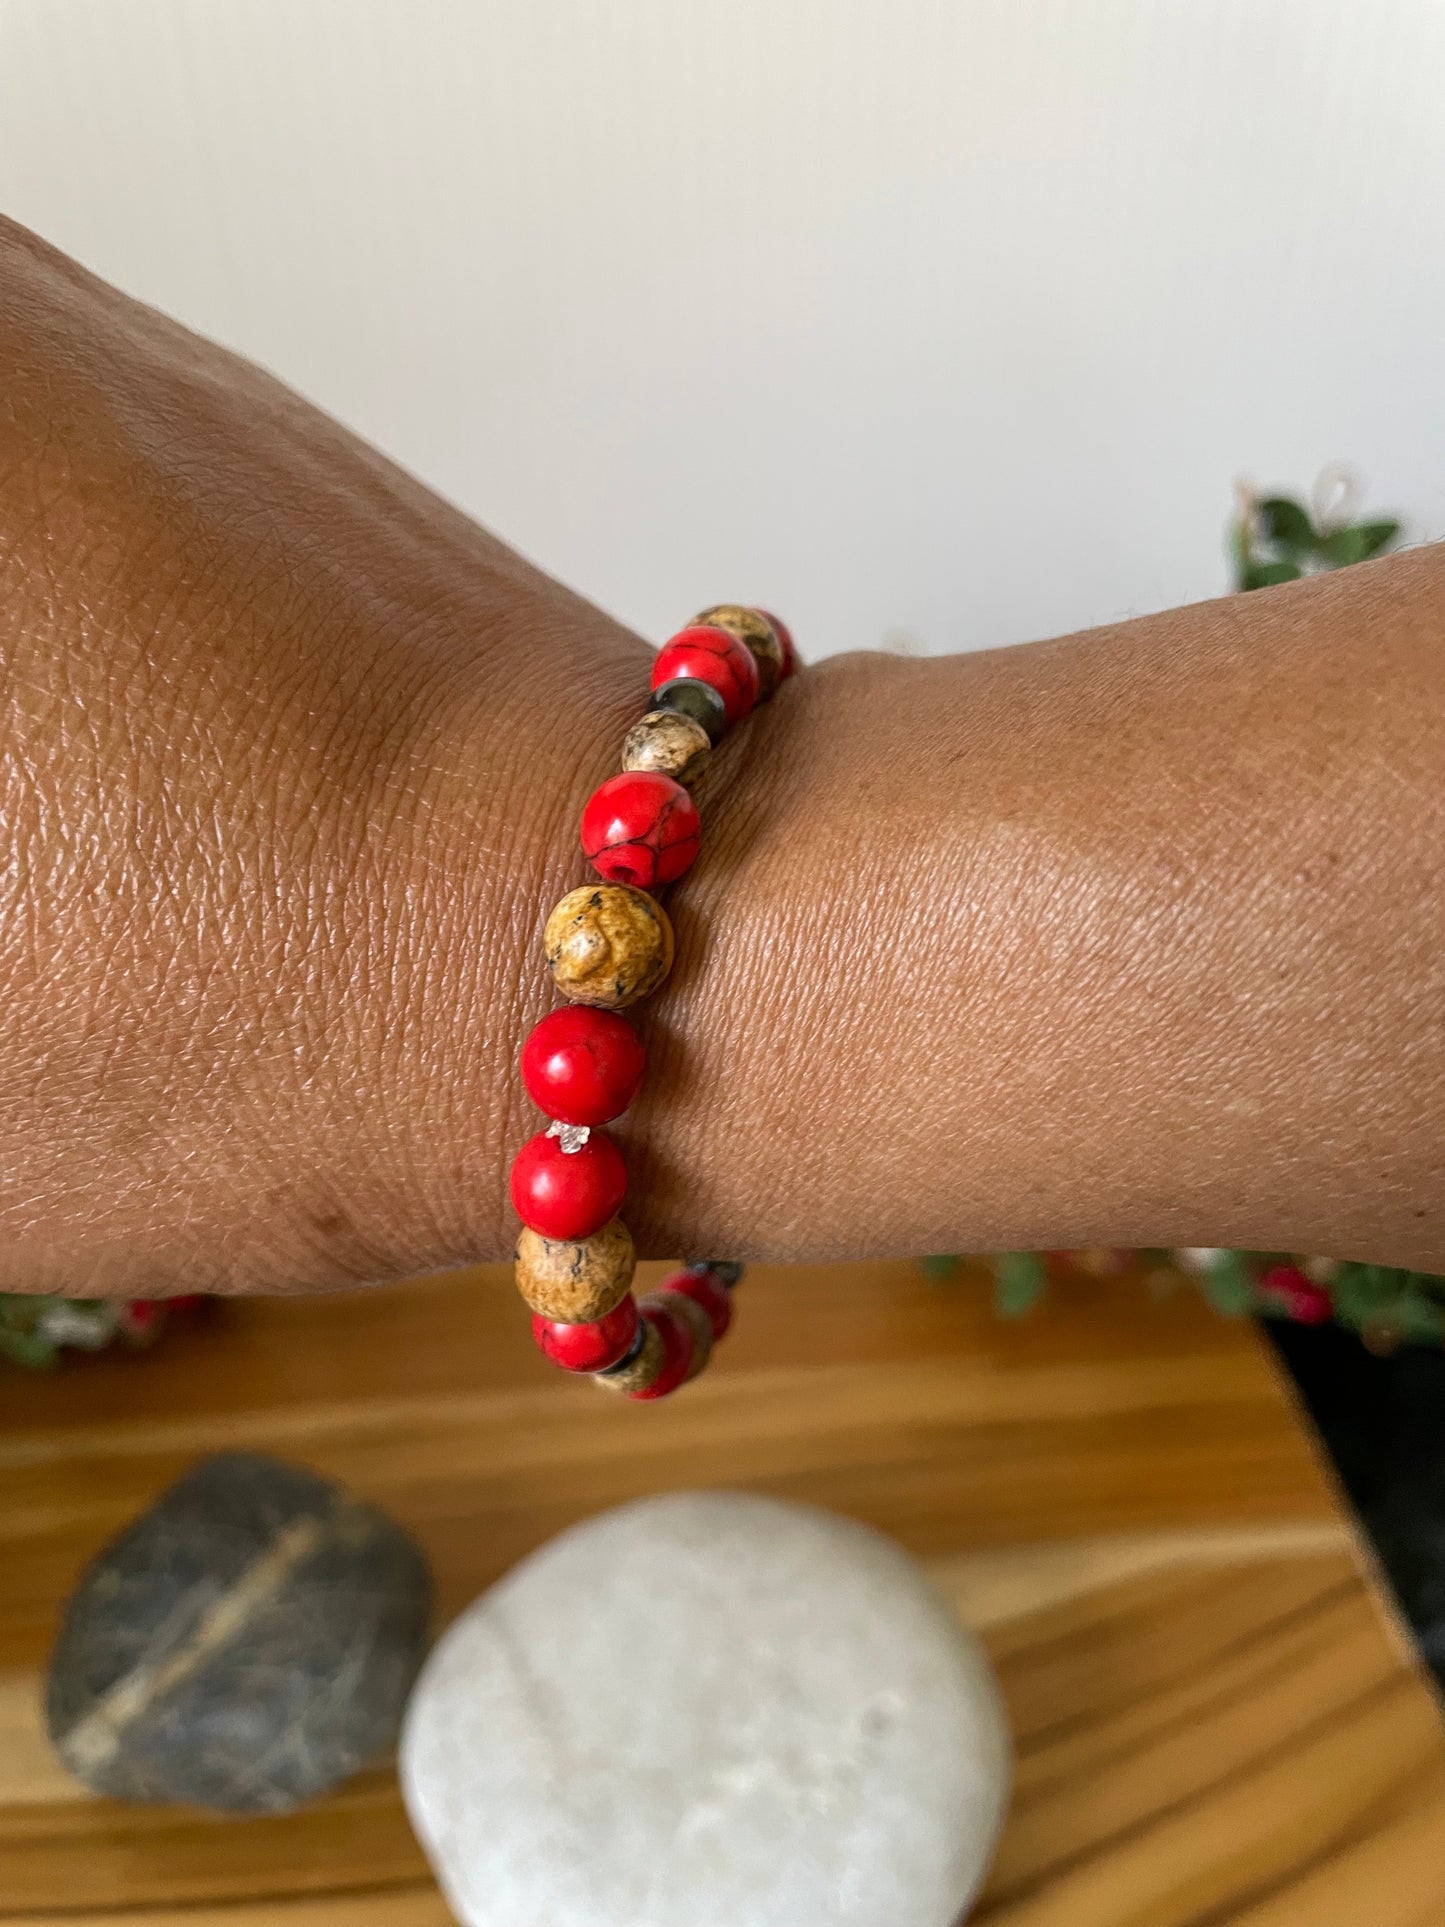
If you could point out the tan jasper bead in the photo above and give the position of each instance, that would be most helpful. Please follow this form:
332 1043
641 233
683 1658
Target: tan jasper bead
576 1280
638 1373
669 742
608 944
695 1318
753 628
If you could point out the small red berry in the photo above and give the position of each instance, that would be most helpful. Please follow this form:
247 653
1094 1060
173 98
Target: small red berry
1305 1302
583 1066
593 1347
640 828
785 636
568 1194
712 656
705 1288
677 1348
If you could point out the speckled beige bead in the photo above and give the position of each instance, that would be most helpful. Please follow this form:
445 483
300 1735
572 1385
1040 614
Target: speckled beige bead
752 627
578 1279
696 1320
669 742
608 944
640 1372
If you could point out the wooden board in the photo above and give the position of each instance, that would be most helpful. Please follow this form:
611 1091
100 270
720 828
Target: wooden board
1216 1720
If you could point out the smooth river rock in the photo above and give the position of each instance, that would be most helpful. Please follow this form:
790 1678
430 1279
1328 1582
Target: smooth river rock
708 1710
249 1641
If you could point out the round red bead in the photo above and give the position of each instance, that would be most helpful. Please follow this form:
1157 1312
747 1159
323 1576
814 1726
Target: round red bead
640 828
593 1347
1306 1302
677 1347
583 1066
568 1194
785 636
712 656
705 1288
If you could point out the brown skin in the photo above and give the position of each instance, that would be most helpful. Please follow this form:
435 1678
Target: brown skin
1134 937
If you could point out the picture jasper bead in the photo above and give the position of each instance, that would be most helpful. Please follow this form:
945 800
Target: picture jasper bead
642 1364
688 696
608 945
697 1320
246 1643
756 629
678 1349
672 744
705 1289
575 1281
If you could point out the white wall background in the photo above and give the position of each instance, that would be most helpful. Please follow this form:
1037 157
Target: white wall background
946 320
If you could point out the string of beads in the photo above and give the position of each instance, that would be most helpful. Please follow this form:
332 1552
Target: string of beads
608 945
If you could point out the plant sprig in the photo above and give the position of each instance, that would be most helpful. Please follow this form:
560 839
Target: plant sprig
1274 539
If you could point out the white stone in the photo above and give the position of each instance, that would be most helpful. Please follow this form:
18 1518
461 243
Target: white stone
708 1710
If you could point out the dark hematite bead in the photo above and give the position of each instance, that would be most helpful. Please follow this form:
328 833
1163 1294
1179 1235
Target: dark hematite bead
725 1269
244 1644
700 700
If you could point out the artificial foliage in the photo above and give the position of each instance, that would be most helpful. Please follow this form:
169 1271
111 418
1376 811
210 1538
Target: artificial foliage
1274 538
1387 1307
37 1331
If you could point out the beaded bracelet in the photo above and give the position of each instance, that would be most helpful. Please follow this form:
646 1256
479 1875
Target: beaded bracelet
608 945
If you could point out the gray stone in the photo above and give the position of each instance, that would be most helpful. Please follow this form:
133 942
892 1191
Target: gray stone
249 1641
708 1710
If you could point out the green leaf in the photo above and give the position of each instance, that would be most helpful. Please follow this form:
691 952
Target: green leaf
1343 547
1018 1282
1363 1294
28 1348
1285 522
1266 575
1228 1284
939 1268
1419 1318
1378 536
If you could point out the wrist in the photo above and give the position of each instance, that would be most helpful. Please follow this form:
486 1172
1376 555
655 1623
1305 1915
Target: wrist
499 771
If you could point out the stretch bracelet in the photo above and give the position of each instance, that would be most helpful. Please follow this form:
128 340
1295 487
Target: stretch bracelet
608 945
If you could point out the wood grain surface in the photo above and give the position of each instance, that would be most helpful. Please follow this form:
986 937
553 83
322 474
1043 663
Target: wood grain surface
1216 1719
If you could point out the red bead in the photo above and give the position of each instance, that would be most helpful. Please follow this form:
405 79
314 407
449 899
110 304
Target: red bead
705 1288
712 656
785 636
1306 1302
677 1346
568 1194
583 1066
592 1347
640 828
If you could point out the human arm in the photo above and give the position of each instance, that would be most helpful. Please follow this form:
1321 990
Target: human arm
1126 938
